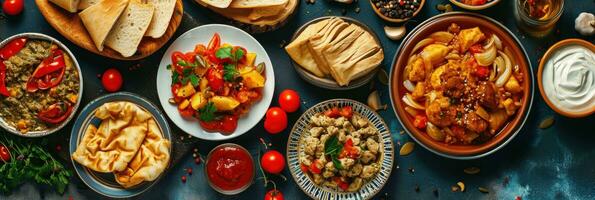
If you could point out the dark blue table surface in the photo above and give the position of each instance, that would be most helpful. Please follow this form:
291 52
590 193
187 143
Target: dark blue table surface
554 163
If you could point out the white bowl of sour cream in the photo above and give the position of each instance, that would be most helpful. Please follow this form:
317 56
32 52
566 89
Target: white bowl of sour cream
566 78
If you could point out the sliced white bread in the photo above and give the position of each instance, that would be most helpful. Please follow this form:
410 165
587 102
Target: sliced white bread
217 3
100 18
164 9
258 13
84 4
69 5
130 28
256 3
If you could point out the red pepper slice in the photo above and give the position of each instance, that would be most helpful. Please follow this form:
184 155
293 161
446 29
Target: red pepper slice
49 73
12 48
51 64
342 184
175 58
55 113
214 43
3 89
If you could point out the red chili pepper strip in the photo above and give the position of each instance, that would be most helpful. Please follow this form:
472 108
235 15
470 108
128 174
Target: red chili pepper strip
3 89
56 113
12 48
51 64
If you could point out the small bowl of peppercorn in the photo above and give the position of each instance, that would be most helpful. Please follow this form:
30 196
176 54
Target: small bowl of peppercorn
397 11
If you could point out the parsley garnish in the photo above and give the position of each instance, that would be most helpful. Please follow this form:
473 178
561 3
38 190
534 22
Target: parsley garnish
230 72
207 113
31 162
223 53
333 148
239 54
175 77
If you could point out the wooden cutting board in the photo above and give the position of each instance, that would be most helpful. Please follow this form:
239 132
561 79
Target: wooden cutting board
72 28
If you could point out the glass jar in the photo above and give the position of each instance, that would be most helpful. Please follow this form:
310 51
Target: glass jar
542 26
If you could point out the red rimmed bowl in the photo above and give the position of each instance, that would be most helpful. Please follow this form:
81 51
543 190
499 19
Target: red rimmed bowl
397 90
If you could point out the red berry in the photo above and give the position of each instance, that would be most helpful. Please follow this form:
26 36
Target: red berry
197 160
189 171
183 179
58 147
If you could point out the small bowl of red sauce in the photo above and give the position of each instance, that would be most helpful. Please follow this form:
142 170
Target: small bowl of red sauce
229 169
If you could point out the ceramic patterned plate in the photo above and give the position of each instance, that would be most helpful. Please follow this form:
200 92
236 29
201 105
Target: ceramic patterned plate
294 146
104 183
202 35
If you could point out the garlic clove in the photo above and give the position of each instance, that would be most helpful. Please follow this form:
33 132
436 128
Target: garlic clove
374 101
344 1
395 33
585 24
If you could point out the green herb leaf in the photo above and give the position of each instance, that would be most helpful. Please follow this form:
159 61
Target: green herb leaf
175 77
168 67
336 162
182 63
194 80
239 54
223 53
332 146
207 113
230 72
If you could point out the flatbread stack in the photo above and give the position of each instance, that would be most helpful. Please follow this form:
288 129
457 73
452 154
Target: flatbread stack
335 48
254 12
121 24
127 143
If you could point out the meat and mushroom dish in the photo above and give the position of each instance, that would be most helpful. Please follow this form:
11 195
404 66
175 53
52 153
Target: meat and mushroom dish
39 84
340 149
462 85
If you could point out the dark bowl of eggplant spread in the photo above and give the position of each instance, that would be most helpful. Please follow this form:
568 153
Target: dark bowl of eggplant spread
40 85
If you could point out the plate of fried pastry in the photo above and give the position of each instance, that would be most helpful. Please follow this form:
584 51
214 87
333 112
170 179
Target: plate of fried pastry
120 145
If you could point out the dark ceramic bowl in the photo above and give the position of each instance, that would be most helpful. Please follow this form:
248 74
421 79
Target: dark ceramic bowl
464 20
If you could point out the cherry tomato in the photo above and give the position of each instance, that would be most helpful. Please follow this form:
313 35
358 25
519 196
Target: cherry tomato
289 100
215 79
315 168
304 168
188 112
333 112
13 7
274 195
4 153
174 91
347 112
272 162
229 123
275 120
420 121
210 126
112 80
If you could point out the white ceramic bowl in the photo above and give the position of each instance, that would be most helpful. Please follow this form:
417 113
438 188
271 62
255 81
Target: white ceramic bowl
202 35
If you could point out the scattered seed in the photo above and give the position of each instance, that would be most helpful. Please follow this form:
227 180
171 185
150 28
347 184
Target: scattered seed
183 179
411 170
402 132
195 150
435 191
407 148
471 170
357 10
374 101
454 188
461 185
483 190
194 155
547 122
383 76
